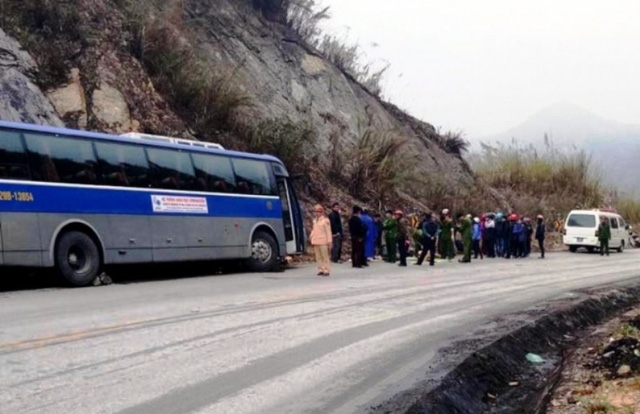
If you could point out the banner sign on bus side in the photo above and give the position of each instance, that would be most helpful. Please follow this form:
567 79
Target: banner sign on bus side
179 204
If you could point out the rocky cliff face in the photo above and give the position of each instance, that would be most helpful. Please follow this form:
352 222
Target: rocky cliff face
108 88
20 99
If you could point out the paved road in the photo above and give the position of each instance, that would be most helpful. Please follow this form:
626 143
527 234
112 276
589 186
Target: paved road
262 343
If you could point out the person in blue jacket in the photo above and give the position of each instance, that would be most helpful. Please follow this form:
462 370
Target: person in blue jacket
476 237
372 235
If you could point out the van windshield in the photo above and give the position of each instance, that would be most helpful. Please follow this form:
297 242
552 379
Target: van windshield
582 220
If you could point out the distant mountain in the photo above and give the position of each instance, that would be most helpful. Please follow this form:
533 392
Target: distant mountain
614 146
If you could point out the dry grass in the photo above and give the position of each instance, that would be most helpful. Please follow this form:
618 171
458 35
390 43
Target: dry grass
378 164
629 208
551 178
291 142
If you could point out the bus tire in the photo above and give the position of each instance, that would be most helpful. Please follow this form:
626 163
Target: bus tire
77 258
264 253
621 248
573 249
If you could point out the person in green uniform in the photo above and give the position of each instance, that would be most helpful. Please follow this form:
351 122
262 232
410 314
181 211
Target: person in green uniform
467 236
446 237
604 235
390 227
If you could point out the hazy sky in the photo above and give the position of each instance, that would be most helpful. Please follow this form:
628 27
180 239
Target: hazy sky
485 66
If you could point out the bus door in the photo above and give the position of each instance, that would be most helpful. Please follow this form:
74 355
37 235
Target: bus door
1 246
291 213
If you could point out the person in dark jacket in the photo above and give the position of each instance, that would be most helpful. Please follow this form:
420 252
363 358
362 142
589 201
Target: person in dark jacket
337 233
511 239
377 218
528 230
541 234
358 232
430 233
518 235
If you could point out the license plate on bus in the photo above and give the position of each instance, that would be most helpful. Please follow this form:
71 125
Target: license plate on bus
580 239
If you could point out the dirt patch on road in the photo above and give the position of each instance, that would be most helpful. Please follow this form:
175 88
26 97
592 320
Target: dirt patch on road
512 364
602 374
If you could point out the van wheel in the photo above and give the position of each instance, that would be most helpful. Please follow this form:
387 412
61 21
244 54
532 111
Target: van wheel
621 248
77 259
573 249
264 253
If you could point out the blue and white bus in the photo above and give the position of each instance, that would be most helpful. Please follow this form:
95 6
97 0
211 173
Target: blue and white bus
78 201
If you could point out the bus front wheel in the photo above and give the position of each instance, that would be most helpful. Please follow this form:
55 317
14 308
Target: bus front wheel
77 258
264 253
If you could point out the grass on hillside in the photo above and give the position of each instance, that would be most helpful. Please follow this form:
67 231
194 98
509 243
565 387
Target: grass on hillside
552 179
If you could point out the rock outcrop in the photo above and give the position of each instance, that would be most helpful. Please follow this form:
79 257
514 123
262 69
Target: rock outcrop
110 108
112 91
70 101
288 79
20 99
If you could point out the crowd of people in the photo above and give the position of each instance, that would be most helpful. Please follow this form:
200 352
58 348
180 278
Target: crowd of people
396 236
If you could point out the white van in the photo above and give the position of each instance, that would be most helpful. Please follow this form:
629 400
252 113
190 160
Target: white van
581 228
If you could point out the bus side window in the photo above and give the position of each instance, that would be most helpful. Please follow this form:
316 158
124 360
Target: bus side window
123 165
214 173
253 177
56 159
13 159
614 223
171 169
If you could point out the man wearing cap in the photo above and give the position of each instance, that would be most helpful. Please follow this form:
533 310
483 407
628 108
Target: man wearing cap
446 236
430 232
403 237
321 240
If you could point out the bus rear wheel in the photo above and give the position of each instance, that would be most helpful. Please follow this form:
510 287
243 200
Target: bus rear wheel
77 258
573 249
264 253
621 248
